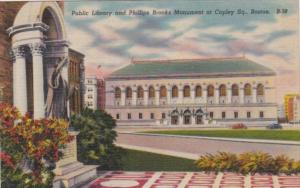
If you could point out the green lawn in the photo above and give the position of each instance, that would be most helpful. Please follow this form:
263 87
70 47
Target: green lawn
292 135
144 161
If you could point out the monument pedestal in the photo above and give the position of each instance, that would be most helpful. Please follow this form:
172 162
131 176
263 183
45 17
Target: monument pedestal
69 172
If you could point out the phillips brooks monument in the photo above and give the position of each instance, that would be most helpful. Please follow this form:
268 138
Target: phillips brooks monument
41 77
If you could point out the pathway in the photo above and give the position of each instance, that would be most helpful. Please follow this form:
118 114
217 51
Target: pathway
193 147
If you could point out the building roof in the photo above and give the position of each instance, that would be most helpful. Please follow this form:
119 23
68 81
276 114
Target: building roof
192 67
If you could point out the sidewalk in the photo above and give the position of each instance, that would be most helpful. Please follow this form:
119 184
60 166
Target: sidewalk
118 179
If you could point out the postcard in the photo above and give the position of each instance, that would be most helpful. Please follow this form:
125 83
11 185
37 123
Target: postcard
148 94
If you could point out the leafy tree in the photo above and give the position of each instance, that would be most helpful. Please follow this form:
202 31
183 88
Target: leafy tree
96 139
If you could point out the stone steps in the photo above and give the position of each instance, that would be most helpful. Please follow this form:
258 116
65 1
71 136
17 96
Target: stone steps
75 178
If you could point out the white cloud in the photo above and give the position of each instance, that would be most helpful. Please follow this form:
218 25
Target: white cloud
79 38
107 28
140 50
180 25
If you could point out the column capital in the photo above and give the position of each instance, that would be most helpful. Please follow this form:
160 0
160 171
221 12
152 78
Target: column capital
37 48
18 52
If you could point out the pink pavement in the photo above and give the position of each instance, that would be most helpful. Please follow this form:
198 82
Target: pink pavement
120 179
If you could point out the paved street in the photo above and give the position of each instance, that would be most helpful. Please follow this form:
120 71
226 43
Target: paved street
191 180
193 147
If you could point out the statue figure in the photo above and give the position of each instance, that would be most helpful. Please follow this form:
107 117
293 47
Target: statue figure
59 93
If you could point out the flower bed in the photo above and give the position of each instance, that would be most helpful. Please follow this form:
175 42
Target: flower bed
248 163
29 148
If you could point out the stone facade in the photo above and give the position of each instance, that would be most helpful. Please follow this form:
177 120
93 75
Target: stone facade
192 100
91 92
76 79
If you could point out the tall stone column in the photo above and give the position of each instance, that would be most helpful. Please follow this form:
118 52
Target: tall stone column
180 95
217 95
193 95
193 120
157 96
180 120
146 96
229 95
204 94
123 96
168 95
254 91
134 97
38 80
241 94
19 80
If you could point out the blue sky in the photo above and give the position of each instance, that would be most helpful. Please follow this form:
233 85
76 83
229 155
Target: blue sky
112 41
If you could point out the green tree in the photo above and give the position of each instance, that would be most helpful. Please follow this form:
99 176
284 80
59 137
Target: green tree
96 139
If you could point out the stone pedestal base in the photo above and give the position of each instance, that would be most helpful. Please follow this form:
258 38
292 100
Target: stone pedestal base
69 172
74 175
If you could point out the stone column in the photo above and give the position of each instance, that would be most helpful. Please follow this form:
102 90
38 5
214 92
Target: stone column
169 95
180 120
134 96
229 95
204 94
38 80
146 97
193 118
180 95
19 80
193 94
254 94
217 95
241 95
157 96
122 97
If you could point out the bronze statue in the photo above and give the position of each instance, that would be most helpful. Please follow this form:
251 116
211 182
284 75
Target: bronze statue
59 93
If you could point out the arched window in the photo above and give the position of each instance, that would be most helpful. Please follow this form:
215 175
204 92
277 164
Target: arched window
128 92
140 92
186 91
198 91
174 91
247 90
260 90
151 92
163 92
222 90
210 91
117 93
235 90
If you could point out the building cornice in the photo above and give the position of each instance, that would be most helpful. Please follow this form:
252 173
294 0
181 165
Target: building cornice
201 105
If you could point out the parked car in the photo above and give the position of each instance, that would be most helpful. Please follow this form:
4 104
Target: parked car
239 126
274 126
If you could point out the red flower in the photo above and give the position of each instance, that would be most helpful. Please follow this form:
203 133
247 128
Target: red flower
6 159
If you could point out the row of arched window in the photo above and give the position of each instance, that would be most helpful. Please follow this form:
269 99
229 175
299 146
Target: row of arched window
187 91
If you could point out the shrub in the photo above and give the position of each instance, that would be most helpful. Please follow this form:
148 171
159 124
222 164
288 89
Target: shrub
284 165
248 163
295 167
220 162
255 162
239 126
29 148
96 139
